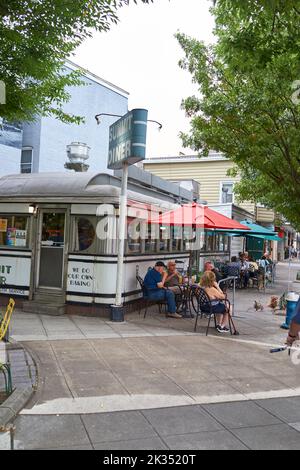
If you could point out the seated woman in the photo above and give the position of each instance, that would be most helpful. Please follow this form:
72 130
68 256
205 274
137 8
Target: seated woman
217 297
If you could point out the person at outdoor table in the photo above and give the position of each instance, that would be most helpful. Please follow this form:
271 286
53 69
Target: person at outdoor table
155 284
268 258
209 266
173 279
263 262
245 274
295 327
234 267
253 267
217 297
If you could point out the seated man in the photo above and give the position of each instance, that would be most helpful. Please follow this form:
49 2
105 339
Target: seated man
234 268
173 279
209 266
154 282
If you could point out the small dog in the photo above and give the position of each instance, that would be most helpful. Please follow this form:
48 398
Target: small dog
274 303
258 306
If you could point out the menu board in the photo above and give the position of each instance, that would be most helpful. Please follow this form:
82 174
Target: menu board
3 225
15 237
21 237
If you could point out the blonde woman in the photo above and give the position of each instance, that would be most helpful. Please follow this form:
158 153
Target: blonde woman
217 298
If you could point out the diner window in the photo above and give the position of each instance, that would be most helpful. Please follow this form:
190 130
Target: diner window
134 229
227 196
85 234
189 236
210 242
26 160
223 243
176 238
164 239
14 231
151 238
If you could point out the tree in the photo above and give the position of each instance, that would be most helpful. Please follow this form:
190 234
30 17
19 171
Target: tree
248 103
36 37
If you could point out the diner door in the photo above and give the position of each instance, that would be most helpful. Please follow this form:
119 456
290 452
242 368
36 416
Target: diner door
51 250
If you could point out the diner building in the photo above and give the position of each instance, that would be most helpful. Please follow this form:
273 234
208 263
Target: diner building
53 255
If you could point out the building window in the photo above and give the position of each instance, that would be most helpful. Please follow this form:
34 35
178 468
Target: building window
14 231
227 193
26 160
85 234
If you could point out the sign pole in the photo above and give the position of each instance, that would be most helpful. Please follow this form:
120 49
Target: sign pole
122 235
117 310
127 146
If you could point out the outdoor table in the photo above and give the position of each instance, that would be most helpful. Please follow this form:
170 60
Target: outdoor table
186 289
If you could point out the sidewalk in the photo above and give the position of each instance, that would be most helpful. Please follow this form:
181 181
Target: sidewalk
103 379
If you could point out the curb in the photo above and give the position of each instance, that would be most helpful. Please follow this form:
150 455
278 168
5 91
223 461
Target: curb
18 399
13 405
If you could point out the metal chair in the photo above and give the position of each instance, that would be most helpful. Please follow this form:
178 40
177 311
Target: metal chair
259 280
234 271
205 307
149 301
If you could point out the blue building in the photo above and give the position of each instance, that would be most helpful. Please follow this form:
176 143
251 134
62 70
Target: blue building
40 146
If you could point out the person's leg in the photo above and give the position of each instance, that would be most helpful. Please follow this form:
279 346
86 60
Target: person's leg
170 298
167 295
246 278
157 295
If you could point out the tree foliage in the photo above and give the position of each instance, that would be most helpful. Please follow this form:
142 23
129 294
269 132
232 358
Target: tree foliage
36 37
248 105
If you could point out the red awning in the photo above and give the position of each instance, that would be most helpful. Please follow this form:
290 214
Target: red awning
199 216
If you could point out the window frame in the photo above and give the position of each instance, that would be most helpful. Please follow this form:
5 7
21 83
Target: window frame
222 184
26 149
28 229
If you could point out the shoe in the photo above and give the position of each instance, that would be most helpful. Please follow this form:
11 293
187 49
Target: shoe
174 315
222 329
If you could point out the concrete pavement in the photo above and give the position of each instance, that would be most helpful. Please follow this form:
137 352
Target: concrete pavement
113 382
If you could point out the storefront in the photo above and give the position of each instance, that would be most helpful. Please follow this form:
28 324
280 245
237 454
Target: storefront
51 247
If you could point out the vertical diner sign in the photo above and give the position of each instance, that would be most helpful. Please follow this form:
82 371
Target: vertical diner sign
127 146
127 139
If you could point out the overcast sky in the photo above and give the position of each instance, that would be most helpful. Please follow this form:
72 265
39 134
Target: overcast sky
141 55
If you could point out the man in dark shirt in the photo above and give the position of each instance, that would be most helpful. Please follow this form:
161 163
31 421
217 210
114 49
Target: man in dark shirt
154 282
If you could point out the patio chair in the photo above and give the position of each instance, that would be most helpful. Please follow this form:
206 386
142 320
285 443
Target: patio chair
147 300
234 271
259 280
204 307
